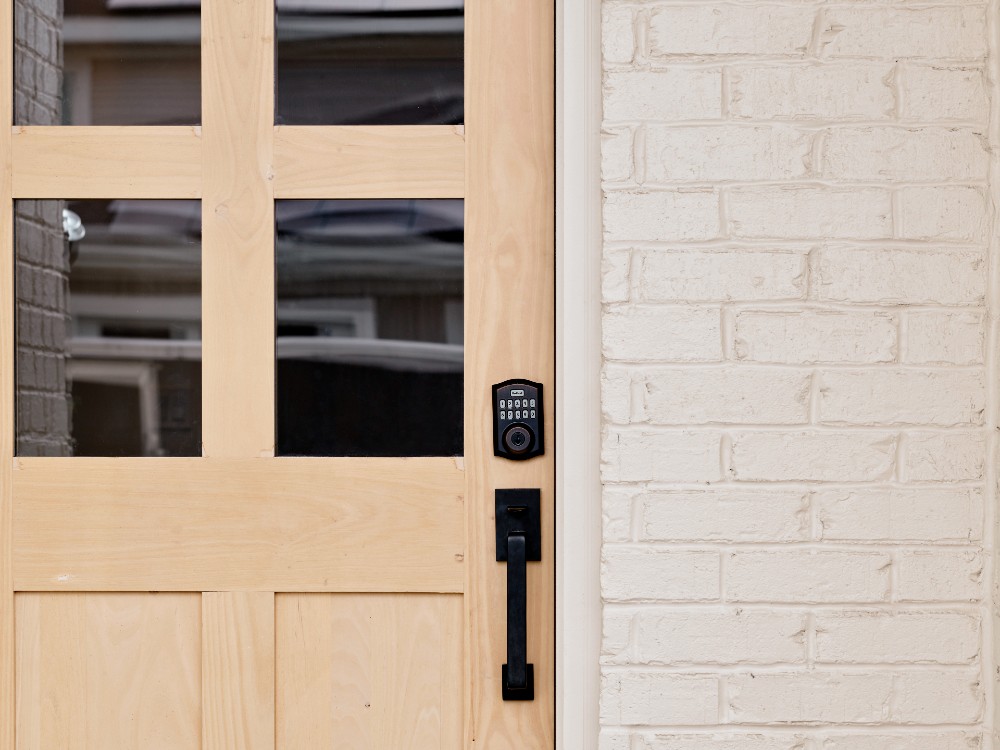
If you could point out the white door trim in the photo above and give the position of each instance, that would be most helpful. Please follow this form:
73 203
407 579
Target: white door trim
578 363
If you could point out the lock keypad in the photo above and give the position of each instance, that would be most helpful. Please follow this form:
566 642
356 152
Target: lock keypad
517 419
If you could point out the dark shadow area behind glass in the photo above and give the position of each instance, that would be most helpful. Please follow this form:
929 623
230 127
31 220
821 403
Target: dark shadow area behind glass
108 327
370 328
369 62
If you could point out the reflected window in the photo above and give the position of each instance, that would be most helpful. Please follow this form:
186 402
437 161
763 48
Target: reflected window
369 62
369 322
108 327
107 62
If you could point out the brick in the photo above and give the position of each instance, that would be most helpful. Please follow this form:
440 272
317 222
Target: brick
663 94
729 514
806 576
661 216
617 514
880 637
811 336
810 697
630 573
938 697
874 397
652 698
616 394
827 91
615 269
718 741
617 162
732 152
730 29
929 575
616 635
681 334
943 92
614 739
941 337
908 741
733 394
797 212
813 456
896 514
910 277
952 33
951 213
944 456
899 153
650 456
725 636
618 35
721 275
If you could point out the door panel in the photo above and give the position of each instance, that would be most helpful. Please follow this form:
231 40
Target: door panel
108 671
369 671
350 601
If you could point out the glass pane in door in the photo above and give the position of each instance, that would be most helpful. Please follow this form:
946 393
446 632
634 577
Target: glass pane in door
108 327
369 62
107 62
370 327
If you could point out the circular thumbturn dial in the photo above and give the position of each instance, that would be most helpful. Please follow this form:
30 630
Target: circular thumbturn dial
518 439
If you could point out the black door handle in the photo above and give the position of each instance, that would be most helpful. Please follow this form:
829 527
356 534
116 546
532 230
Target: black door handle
519 539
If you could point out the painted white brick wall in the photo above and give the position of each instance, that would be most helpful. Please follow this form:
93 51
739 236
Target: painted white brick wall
796 398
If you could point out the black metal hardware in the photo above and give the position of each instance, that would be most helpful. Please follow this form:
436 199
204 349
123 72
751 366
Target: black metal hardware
519 540
518 426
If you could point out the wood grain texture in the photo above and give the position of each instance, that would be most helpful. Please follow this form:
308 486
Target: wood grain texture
398 161
7 427
238 228
106 162
510 163
108 671
293 524
238 670
369 671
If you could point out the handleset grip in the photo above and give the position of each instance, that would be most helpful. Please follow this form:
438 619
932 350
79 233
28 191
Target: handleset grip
515 671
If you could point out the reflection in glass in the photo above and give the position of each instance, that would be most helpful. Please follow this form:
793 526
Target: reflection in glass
370 320
369 62
108 327
107 62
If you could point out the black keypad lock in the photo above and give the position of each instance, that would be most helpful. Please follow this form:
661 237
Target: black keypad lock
518 430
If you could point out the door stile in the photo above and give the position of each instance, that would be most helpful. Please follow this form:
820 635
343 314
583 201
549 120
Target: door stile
510 308
7 414
238 228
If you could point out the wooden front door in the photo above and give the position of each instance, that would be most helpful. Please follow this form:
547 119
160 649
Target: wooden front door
244 600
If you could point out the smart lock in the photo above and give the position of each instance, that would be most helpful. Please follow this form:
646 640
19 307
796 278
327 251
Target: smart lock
518 429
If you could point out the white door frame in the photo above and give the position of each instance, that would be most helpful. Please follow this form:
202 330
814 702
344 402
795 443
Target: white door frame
578 364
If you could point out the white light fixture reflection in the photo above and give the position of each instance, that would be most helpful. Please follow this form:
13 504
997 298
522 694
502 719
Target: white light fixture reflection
73 226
